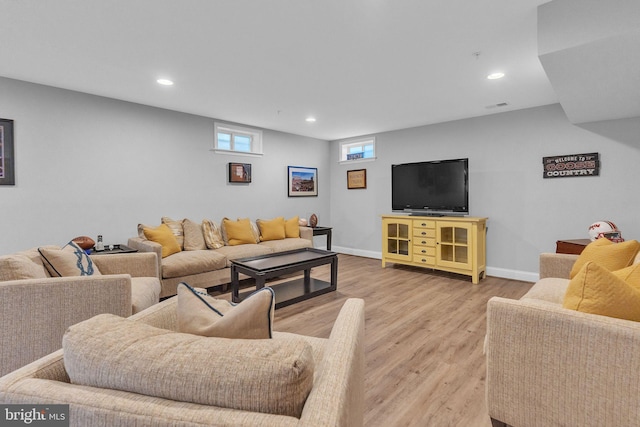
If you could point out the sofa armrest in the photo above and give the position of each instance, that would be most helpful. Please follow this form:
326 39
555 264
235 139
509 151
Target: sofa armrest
35 313
556 265
138 264
144 245
337 397
306 233
547 365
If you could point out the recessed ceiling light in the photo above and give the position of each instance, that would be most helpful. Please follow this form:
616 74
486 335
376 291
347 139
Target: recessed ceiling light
310 119
165 82
494 76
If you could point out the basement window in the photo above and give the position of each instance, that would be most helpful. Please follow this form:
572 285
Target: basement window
358 150
230 139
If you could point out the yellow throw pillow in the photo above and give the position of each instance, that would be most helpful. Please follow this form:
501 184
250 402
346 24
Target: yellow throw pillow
612 256
630 274
163 235
238 232
201 314
271 229
597 290
292 227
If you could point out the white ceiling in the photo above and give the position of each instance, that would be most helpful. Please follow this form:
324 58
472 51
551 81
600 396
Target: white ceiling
358 66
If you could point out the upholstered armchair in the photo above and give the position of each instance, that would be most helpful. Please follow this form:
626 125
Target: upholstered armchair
552 366
35 312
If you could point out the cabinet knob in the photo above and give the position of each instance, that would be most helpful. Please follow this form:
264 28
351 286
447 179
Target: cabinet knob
424 252
424 260
424 224
423 233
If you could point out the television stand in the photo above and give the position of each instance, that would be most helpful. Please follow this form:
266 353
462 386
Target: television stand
446 243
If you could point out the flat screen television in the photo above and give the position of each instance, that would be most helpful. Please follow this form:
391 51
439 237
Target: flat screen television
432 188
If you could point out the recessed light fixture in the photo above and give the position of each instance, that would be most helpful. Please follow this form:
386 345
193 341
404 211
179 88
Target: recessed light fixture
310 119
165 82
494 76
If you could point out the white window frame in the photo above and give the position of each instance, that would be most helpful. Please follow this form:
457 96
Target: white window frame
345 145
254 134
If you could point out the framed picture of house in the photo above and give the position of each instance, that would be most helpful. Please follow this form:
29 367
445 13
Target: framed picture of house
303 182
356 179
7 172
240 172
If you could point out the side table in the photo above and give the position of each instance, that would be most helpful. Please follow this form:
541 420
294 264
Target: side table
575 246
326 231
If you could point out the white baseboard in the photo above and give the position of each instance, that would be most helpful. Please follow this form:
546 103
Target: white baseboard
504 273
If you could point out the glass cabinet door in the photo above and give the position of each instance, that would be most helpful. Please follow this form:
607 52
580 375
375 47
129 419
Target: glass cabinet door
397 241
453 247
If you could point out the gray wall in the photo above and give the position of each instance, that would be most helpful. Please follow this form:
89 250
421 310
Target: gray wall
87 165
527 213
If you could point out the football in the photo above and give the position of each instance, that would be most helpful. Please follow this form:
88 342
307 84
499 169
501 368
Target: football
84 242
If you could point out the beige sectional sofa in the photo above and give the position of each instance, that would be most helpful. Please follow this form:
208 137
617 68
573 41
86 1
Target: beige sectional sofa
206 268
36 309
334 398
553 366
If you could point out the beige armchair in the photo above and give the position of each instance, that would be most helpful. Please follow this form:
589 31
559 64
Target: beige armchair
336 398
550 366
35 313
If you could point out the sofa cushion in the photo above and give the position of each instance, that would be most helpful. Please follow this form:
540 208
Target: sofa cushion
22 265
597 290
212 234
145 292
176 228
292 227
164 237
244 251
287 244
201 314
186 263
71 260
193 236
612 256
238 232
550 289
271 229
269 376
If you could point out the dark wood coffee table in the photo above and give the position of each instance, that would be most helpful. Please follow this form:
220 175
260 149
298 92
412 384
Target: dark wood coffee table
269 266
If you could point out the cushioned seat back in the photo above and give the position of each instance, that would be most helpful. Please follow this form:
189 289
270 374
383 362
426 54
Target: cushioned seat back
23 265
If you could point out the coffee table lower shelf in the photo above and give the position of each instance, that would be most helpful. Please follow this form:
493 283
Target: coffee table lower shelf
294 291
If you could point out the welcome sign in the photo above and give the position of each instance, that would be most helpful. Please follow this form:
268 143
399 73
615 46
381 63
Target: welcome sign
570 165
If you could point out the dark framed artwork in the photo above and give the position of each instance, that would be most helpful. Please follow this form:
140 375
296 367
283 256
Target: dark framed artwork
7 172
303 182
356 179
240 172
571 165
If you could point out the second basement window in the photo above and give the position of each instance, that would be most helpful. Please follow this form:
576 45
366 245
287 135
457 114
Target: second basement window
358 150
237 140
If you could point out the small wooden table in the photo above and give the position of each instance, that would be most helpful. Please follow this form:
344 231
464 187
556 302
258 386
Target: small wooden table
319 231
575 246
269 266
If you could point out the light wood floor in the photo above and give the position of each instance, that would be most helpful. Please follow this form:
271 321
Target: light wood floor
424 333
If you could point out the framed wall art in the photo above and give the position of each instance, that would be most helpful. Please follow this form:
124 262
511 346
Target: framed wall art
7 172
356 179
240 173
303 182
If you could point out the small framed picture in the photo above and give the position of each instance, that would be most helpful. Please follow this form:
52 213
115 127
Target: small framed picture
303 182
356 179
239 172
7 173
